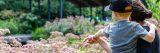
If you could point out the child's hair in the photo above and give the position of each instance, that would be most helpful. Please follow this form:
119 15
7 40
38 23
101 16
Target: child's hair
123 15
139 13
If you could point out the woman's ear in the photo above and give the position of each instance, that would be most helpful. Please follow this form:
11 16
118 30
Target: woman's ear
114 15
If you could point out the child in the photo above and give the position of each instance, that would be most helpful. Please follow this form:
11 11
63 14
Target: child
139 14
123 34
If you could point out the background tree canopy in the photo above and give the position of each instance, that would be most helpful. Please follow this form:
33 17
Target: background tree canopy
154 7
30 14
39 7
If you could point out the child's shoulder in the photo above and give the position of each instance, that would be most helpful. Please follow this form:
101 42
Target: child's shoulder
127 23
133 22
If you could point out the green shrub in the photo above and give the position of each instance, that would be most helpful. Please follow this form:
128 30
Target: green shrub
74 41
11 24
154 7
19 23
29 22
7 14
40 33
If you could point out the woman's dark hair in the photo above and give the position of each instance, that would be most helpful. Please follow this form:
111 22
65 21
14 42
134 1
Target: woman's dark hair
139 13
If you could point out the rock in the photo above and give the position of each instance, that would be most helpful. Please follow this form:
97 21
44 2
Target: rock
4 31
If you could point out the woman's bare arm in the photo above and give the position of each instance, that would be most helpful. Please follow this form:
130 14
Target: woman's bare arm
151 34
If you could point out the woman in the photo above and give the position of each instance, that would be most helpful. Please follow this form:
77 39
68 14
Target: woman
139 15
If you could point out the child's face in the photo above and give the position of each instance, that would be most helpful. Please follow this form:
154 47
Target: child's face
120 16
114 17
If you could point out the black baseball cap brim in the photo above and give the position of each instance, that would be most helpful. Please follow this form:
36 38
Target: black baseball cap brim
121 5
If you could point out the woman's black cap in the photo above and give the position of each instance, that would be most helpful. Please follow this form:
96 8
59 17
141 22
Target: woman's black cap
120 5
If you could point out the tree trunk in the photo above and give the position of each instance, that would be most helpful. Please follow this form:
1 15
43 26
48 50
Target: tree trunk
49 10
61 8
30 5
39 9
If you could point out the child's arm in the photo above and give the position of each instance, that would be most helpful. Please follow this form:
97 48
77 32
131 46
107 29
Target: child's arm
93 38
104 45
100 33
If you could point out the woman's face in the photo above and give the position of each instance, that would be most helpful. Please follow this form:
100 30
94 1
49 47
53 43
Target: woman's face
115 16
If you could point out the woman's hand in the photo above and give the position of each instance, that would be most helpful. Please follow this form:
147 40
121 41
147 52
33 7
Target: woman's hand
151 25
151 34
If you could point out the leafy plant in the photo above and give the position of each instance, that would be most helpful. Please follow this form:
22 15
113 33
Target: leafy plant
29 22
7 14
40 33
11 24
154 7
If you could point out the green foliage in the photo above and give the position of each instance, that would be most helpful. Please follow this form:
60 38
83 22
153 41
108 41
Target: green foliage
74 41
29 22
68 9
26 22
154 6
16 5
71 41
11 24
40 33
102 23
7 14
96 11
